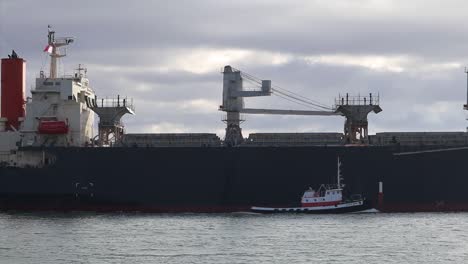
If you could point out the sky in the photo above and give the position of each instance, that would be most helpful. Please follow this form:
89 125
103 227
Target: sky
168 56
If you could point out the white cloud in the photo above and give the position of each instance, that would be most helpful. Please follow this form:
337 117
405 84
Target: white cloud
377 63
211 60
196 60
438 112
193 106
397 64
167 127
198 105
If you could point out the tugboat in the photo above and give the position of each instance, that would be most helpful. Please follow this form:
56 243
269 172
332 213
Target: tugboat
327 199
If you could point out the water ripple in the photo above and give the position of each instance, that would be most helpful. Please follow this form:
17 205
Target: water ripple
233 238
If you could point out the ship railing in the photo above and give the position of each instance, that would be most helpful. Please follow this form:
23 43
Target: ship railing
357 100
116 102
294 138
174 144
331 186
294 144
421 138
161 140
68 76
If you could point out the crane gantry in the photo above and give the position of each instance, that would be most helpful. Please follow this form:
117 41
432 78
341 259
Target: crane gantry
355 109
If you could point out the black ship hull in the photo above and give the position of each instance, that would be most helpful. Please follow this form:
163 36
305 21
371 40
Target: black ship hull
222 179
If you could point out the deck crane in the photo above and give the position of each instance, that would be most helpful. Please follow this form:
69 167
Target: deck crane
355 109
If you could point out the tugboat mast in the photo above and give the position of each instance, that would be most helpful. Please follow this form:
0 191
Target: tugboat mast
338 181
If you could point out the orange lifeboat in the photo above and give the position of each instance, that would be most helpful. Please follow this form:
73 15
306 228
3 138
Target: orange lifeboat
52 127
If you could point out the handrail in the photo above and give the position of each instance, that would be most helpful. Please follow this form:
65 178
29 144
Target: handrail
357 100
116 102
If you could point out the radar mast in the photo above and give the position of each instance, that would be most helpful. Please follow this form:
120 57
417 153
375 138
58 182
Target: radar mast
52 48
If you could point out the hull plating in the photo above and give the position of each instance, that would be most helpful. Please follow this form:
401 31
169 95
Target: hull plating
232 179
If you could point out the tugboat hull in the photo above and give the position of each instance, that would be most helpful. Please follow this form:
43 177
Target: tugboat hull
348 207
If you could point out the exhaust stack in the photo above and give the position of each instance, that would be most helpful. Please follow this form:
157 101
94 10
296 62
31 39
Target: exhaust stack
13 82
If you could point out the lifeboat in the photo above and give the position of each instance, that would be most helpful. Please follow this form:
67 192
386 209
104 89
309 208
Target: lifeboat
53 127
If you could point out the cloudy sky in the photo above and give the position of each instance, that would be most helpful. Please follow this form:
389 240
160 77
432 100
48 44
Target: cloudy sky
167 55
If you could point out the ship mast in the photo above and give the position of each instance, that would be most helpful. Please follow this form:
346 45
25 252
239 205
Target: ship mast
52 49
465 106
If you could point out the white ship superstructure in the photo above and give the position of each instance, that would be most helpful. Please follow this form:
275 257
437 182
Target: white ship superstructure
59 112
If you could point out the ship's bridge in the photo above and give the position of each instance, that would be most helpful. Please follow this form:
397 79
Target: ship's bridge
59 110
66 100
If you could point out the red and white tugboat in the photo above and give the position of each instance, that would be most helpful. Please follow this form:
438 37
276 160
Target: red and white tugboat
328 198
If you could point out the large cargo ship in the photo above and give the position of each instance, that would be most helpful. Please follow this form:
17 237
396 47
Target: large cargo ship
51 159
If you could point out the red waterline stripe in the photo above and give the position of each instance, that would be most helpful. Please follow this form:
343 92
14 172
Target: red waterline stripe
320 204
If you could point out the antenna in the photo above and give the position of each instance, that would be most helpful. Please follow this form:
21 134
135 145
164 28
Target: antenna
52 49
80 69
338 173
50 35
466 105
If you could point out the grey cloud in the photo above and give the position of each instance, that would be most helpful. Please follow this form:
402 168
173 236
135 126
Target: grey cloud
125 36
304 27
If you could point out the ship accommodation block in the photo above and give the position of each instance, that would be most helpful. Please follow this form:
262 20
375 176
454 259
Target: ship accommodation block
61 100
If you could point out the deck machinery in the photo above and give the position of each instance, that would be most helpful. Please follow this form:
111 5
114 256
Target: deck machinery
354 109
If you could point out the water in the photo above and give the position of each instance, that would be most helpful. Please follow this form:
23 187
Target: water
233 238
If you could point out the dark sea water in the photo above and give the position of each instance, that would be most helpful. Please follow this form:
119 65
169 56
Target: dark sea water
233 238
